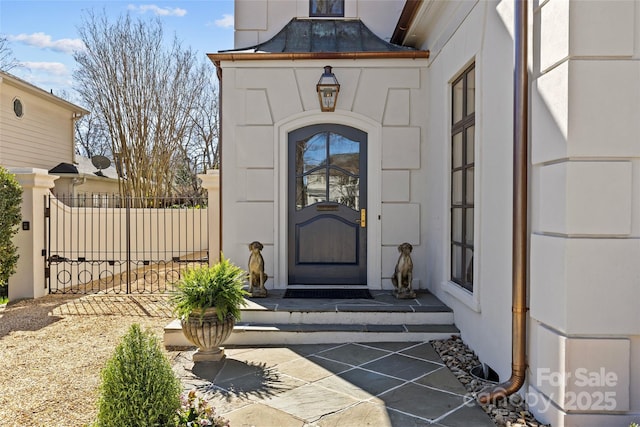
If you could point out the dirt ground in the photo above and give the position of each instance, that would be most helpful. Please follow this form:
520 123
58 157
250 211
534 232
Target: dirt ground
53 349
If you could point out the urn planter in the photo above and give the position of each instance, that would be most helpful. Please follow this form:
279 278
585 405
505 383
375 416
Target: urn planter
208 333
207 300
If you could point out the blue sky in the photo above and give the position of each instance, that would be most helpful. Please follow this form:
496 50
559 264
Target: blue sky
43 33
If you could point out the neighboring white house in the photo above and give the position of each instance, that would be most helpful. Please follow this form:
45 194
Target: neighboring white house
86 184
37 127
432 129
37 130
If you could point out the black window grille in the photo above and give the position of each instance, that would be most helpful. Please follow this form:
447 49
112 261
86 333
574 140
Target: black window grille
462 177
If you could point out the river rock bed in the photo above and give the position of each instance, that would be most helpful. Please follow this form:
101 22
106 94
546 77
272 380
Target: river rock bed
460 359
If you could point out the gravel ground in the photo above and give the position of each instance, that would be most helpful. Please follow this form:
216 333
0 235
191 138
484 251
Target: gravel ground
510 412
52 350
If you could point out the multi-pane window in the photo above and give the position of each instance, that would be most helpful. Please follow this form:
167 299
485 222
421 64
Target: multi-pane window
326 8
462 177
327 170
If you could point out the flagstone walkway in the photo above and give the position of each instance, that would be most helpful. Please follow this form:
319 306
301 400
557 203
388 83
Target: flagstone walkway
317 385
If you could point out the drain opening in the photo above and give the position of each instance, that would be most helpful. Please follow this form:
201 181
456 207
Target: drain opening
485 373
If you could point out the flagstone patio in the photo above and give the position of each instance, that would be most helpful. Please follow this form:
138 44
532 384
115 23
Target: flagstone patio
314 385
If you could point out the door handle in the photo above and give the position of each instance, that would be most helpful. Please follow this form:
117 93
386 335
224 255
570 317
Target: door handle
363 218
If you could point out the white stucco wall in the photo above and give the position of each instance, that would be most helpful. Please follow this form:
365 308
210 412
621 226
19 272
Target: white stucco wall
585 211
264 100
463 33
585 171
585 215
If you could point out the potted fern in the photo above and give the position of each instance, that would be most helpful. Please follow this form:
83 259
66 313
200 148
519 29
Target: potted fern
207 300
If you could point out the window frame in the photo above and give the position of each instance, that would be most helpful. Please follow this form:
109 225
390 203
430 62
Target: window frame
17 104
461 273
339 14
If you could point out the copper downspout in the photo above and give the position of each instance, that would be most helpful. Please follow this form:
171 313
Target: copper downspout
520 170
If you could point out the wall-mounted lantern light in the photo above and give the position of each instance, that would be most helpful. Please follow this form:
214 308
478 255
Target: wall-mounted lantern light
328 88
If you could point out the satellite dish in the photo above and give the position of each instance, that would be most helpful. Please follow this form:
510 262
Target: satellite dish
100 162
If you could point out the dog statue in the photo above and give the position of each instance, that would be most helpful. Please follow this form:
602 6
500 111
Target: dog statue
403 274
257 276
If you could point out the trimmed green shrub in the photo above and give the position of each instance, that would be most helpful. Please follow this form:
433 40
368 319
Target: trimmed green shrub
139 388
10 217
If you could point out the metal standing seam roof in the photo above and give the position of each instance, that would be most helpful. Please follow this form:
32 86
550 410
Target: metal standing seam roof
323 35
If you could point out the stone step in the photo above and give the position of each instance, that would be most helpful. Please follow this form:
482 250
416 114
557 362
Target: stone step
278 334
278 320
349 314
383 308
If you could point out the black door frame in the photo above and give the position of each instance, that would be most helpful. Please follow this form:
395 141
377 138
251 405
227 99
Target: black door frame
328 273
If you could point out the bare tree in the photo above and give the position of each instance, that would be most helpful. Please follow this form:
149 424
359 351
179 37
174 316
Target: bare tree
7 60
199 151
92 138
142 90
203 141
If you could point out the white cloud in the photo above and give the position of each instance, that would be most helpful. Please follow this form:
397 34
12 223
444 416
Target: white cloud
53 68
157 10
225 22
49 76
44 41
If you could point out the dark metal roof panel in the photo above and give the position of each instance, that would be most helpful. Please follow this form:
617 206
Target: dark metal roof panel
324 35
64 168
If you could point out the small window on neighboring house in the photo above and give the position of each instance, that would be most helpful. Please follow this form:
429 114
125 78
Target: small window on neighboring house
17 108
462 177
326 8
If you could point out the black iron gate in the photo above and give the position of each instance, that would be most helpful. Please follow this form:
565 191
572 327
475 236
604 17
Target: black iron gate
113 244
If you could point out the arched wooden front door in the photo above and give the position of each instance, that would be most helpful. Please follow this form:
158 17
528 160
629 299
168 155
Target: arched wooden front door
327 202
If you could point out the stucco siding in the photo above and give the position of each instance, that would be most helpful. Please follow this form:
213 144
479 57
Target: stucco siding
263 97
585 171
466 33
585 216
584 211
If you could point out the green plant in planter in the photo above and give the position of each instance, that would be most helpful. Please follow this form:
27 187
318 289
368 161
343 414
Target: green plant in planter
219 287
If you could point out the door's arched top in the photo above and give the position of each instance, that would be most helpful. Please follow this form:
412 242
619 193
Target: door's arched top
346 118
327 165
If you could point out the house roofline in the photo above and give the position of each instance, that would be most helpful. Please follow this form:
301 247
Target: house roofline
28 87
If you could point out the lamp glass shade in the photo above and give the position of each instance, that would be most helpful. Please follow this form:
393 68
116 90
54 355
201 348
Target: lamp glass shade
328 88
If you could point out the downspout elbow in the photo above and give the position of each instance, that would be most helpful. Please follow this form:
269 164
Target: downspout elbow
504 389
